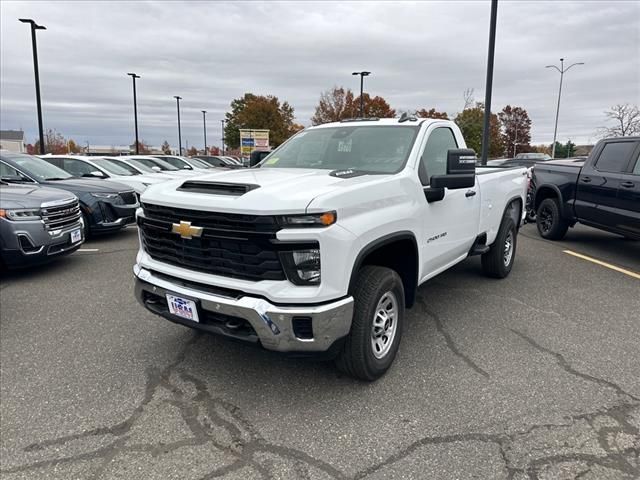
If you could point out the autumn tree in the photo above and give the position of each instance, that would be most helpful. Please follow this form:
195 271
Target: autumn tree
431 113
516 130
376 107
334 105
192 152
470 122
143 147
54 143
626 121
258 112
166 148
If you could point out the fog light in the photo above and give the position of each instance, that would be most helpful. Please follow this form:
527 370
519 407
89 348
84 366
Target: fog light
302 266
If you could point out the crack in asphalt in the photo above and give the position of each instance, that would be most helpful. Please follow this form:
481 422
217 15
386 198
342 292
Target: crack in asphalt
449 340
205 416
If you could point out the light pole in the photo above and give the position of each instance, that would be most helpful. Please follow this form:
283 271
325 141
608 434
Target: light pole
222 121
34 27
489 83
204 122
135 110
362 75
179 132
562 71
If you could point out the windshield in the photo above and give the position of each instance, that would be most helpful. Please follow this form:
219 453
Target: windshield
156 162
116 168
199 163
371 149
177 163
39 169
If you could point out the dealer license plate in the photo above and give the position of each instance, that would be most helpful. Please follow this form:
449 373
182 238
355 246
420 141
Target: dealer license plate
76 236
182 308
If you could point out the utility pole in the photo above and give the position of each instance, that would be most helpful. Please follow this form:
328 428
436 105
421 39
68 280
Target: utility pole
34 27
135 110
222 121
179 132
562 71
489 82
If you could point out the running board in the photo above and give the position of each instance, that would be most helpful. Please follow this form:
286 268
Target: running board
479 246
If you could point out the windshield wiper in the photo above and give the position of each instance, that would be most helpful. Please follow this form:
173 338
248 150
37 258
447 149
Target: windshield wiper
53 179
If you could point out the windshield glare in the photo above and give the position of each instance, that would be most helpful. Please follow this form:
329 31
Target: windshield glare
177 163
40 169
372 149
115 168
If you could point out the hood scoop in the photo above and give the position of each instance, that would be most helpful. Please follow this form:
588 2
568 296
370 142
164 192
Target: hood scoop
217 188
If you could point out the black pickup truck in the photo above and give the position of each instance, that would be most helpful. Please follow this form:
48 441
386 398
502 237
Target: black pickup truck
602 191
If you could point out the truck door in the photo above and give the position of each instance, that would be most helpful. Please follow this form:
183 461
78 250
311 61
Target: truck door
597 200
629 195
449 226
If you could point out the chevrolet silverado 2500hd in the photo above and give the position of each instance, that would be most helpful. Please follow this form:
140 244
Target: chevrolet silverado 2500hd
321 247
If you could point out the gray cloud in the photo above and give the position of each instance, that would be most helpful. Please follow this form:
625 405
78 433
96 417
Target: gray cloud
422 54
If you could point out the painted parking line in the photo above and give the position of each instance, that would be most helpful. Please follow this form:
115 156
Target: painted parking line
604 264
88 250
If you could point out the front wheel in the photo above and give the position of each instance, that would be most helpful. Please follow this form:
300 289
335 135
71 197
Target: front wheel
376 329
498 261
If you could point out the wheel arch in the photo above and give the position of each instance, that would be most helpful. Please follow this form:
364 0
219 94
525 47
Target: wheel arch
547 191
398 251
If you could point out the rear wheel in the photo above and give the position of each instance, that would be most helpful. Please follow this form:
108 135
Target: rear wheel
498 261
376 329
549 220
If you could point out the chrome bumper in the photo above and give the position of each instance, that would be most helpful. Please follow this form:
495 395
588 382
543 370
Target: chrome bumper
273 325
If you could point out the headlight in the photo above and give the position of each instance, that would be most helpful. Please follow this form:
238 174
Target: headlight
104 195
302 266
20 215
313 220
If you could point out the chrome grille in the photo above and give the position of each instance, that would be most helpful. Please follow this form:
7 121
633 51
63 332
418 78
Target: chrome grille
61 216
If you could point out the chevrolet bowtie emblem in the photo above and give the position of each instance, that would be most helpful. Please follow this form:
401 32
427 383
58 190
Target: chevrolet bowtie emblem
185 230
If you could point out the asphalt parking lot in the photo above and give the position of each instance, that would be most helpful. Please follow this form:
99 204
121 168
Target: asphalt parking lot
536 376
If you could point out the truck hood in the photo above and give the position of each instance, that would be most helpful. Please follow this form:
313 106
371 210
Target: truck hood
258 190
28 196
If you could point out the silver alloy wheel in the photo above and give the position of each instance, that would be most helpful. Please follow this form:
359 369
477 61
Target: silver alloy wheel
384 326
508 249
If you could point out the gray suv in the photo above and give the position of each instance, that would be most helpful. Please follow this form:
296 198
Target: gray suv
37 224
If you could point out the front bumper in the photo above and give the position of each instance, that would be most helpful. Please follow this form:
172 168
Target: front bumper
110 217
300 328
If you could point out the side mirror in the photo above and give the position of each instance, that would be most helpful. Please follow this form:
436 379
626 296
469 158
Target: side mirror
15 179
461 173
97 174
156 168
256 157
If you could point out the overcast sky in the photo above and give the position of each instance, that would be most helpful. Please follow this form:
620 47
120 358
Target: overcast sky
422 54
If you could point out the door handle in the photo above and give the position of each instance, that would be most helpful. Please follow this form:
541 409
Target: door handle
627 184
470 193
586 179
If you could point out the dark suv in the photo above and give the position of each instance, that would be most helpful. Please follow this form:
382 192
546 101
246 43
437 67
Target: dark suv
106 206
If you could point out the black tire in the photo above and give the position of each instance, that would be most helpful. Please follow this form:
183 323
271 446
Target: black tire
549 220
498 261
357 358
86 230
530 216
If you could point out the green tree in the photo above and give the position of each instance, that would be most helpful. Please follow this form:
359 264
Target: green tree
565 150
516 130
259 112
470 122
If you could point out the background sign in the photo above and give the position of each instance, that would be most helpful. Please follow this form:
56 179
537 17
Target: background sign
250 139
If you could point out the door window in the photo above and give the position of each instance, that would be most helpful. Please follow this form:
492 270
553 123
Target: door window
434 157
636 170
10 172
77 168
614 157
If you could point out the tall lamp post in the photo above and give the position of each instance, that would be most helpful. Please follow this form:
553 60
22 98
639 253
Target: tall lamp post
179 132
562 71
222 121
34 27
489 83
362 75
135 110
204 126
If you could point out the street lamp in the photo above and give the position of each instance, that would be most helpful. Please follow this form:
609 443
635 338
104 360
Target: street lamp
204 122
135 110
179 132
562 71
34 27
362 75
486 121
222 121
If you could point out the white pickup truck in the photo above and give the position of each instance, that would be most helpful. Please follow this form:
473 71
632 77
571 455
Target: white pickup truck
322 246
